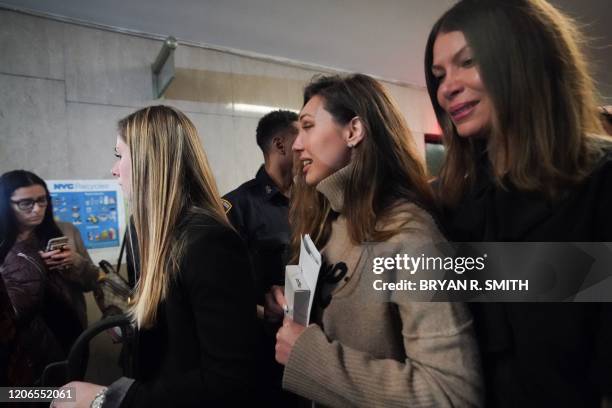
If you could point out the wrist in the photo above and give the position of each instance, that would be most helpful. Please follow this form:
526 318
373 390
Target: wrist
98 400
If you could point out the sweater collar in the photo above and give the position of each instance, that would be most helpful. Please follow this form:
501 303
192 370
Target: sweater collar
332 187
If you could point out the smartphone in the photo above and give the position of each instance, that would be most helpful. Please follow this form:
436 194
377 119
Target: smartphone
57 243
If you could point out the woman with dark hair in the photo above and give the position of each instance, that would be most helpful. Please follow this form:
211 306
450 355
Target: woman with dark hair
361 192
44 311
29 213
525 162
70 270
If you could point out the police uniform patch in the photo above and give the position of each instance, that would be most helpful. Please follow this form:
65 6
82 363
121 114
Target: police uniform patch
226 204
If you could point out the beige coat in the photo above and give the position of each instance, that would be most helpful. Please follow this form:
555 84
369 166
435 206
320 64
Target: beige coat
368 352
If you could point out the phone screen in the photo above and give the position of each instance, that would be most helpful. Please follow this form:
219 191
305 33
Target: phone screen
57 243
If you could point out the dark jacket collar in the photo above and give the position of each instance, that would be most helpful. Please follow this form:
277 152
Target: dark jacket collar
267 184
489 212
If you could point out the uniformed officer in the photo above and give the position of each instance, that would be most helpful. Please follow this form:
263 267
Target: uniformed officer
259 210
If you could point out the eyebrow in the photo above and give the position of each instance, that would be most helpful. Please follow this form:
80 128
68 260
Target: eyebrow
31 198
457 54
304 115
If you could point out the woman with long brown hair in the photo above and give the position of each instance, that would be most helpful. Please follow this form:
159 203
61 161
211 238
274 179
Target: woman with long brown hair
194 306
511 89
362 189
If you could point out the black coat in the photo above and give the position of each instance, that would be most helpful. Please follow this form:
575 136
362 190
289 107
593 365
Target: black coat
260 214
201 350
544 354
7 331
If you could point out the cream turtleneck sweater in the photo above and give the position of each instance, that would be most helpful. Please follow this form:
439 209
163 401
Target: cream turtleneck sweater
363 351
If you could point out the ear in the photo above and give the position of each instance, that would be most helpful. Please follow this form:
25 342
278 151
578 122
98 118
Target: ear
355 132
279 144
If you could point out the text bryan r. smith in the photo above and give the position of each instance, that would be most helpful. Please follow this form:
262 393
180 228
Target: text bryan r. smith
454 285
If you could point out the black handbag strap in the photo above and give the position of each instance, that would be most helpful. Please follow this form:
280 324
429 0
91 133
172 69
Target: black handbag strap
125 236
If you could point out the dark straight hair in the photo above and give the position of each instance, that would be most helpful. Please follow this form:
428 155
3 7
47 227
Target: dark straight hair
529 57
9 228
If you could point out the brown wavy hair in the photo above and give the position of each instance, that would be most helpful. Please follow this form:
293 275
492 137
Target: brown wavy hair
529 57
385 166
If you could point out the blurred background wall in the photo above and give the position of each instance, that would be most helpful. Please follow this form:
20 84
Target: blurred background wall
64 86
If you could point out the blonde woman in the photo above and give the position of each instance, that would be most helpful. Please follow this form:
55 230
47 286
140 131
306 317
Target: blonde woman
194 306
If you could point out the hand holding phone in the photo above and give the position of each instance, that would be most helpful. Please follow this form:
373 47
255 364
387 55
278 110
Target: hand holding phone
58 254
58 243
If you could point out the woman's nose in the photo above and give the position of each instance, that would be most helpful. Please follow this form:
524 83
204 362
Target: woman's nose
37 208
298 143
451 86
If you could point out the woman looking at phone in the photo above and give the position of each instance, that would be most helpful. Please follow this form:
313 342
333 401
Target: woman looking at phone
49 298
194 304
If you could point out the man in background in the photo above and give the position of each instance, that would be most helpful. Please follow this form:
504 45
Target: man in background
259 210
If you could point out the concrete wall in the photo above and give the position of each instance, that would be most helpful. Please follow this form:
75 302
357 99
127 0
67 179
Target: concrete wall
63 87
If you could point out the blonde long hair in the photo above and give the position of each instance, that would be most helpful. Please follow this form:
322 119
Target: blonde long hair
170 178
